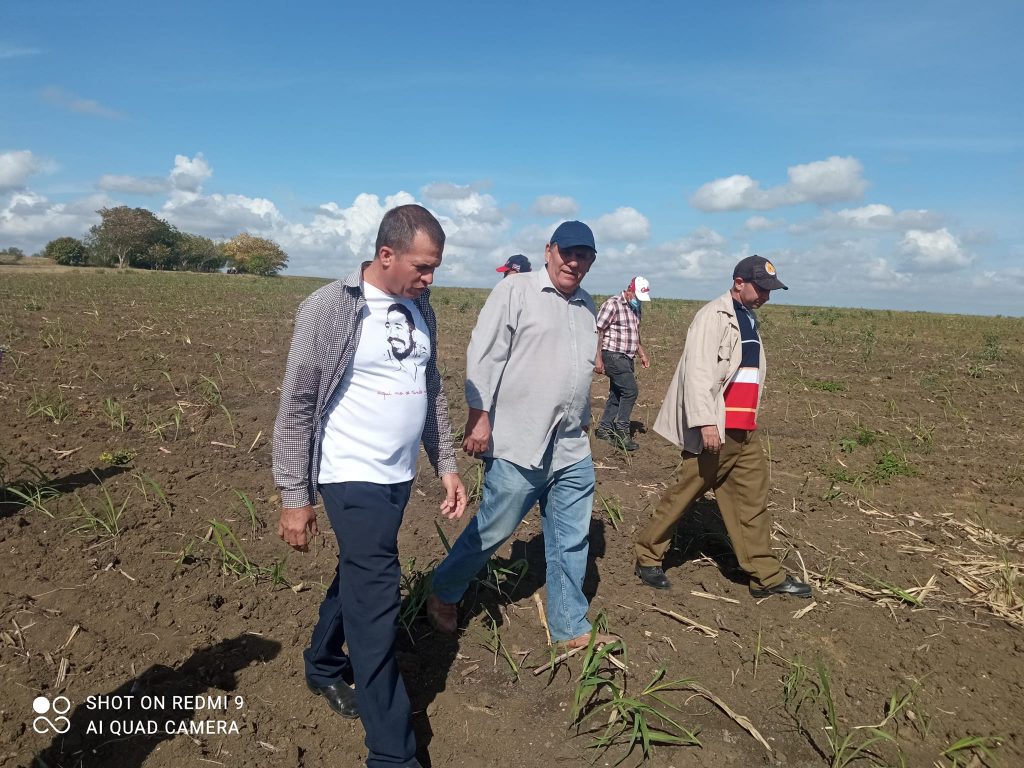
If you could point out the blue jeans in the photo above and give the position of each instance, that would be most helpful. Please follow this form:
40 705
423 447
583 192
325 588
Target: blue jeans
566 498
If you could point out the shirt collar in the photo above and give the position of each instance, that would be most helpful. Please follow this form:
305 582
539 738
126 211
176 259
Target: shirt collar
355 277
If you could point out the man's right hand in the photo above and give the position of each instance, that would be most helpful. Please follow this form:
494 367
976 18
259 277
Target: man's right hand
478 432
599 365
712 440
297 525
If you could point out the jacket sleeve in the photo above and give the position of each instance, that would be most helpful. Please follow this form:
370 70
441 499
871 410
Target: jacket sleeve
296 415
700 360
437 430
489 346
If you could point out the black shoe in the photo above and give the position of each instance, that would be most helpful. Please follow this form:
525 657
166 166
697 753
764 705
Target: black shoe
339 697
653 576
623 440
789 587
617 438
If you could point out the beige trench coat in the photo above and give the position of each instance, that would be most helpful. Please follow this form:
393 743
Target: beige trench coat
695 397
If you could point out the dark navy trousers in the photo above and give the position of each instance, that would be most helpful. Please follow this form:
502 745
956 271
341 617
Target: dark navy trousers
361 608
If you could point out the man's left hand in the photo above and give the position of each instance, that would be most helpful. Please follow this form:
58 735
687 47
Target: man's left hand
644 360
455 501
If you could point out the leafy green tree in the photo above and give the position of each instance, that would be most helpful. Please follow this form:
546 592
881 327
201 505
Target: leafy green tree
255 255
198 254
161 256
11 255
125 236
69 251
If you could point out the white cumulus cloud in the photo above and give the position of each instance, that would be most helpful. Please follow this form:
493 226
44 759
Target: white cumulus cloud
189 174
555 205
623 225
873 217
822 181
701 255
827 181
938 251
222 215
214 215
16 167
29 220
881 273
337 238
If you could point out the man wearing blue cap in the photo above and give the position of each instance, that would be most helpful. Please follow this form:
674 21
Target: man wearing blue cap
533 439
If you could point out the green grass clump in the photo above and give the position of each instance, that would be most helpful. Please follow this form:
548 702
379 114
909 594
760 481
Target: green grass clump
642 720
826 386
105 520
890 465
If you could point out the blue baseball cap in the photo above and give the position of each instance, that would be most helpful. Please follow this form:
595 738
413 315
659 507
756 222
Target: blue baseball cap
571 234
517 263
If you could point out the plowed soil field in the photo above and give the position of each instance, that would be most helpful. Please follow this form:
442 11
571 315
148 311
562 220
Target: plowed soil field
141 562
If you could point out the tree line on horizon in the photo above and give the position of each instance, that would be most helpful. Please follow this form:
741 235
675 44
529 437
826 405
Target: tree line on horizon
136 237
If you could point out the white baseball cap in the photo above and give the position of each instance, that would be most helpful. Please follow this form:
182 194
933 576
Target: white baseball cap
642 288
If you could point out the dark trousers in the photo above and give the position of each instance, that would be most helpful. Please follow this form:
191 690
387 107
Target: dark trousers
361 608
622 392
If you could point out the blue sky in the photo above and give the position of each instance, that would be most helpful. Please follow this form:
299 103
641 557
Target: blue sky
874 151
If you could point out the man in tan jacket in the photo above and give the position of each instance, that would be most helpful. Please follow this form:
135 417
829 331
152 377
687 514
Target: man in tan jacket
710 412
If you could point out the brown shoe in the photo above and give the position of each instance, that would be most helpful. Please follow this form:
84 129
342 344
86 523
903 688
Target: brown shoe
584 640
444 617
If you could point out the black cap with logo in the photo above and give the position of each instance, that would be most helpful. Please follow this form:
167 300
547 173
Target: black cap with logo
761 272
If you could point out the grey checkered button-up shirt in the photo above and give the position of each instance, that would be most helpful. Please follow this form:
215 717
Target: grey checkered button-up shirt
327 330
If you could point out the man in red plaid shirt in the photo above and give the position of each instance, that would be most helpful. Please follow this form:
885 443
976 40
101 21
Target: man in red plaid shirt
618 339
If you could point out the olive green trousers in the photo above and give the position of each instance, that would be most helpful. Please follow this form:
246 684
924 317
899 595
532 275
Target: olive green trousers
739 476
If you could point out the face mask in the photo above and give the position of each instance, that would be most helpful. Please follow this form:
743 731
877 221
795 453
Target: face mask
635 305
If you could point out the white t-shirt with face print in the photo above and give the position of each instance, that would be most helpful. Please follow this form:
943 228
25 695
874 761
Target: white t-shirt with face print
373 427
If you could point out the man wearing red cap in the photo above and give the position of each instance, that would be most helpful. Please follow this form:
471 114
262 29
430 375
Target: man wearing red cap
710 412
618 344
515 265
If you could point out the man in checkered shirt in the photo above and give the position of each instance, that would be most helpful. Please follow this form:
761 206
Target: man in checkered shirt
350 425
618 343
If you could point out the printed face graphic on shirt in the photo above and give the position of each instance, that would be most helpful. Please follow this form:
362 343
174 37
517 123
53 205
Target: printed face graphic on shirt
399 326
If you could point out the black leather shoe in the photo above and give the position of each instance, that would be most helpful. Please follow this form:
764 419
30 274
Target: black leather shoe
653 576
789 587
622 440
339 697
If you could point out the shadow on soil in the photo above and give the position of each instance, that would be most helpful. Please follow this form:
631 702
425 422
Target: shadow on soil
91 739
701 533
20 495
425 681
